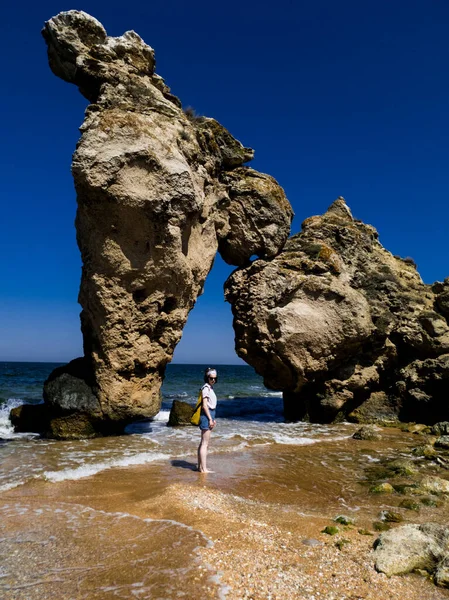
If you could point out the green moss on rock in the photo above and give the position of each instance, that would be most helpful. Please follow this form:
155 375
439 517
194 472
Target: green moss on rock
382 488
330 530
410 504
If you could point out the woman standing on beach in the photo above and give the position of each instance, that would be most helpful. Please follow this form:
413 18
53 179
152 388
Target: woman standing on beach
207 419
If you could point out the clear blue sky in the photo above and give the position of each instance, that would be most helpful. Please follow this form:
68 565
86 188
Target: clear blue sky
342 98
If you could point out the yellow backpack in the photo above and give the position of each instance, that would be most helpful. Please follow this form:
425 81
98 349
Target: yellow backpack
195 420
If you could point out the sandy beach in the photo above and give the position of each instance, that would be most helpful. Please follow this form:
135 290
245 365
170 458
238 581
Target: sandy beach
253 529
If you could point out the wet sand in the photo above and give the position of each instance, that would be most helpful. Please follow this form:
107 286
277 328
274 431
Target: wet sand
252 529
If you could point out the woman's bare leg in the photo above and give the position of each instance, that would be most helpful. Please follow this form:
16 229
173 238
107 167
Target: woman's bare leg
202 451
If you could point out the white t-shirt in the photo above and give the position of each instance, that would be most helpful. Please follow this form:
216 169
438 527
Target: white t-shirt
209 393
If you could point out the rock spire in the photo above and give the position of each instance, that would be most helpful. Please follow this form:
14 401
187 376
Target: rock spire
159 191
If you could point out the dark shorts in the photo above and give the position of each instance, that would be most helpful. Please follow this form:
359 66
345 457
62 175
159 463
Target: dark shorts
204 421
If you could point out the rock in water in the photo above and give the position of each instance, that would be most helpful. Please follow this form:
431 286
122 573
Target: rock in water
180 414
337 322
158 192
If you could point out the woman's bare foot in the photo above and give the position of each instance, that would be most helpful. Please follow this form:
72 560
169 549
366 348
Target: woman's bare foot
206 471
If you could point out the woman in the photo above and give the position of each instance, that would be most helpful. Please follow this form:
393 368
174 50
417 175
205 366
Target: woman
207 419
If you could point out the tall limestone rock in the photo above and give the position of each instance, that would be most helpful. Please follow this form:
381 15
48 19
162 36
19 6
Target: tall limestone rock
344 328
158 192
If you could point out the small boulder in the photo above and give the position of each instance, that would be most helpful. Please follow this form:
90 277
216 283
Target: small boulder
410 548
389 516
435 485
330 530
441 428
30 418
76 426
382 488
443 442
426 450
180 414
416 428
410 504
368 432
402 467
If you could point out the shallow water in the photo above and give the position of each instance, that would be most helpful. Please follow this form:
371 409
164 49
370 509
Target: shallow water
122 517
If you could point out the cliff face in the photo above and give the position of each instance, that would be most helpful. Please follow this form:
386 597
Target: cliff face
158 192
342 327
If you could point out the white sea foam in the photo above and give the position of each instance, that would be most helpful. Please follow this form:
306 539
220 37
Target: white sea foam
162 415
10 486
89 470
6 428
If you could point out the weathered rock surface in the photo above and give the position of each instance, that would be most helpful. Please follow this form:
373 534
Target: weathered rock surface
158 192
414 547
344 328
368 432
435 485
180 414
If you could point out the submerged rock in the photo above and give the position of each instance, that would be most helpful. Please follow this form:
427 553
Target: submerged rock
159 191
367 433
344 328
382 488
435 485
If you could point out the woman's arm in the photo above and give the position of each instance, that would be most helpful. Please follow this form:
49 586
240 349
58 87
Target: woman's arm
207 413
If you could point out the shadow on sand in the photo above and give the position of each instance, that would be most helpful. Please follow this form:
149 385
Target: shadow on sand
184 464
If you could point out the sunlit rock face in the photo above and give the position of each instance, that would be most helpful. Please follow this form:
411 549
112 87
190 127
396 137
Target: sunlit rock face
159 191
344 328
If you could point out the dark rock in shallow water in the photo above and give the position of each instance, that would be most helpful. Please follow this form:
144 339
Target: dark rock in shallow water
69 389
180 414
369 432
72 427
379 407
71 410
33 418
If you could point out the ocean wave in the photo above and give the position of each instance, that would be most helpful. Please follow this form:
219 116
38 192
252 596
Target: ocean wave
162 415
6 428
89 470
9 486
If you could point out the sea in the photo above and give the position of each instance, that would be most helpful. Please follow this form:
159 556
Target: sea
115 517
248 414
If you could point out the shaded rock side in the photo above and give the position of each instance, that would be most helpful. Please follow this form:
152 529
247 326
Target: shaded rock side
180 414
158 192
336 321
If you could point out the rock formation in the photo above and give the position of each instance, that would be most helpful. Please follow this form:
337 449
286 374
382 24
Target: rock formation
159 191
344 328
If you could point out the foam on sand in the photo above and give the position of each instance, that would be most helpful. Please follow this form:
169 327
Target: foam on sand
89 470
6 428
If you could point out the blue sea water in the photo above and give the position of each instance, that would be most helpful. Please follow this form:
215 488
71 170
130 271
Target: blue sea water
23 381
248 414
76 542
